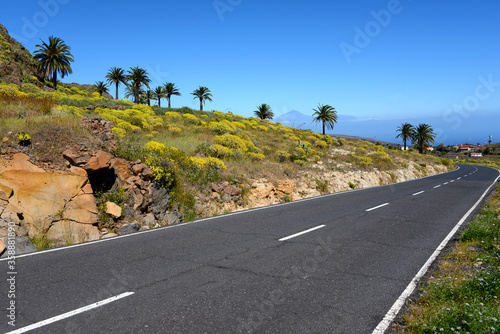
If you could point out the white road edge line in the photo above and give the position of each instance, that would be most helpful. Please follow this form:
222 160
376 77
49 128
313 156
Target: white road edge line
396 308
300 233
437 186
70 313
377 207
420 192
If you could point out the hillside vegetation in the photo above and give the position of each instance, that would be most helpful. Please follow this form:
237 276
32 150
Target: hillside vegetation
188 150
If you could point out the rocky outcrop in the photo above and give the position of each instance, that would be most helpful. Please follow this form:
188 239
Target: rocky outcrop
146 202
262 192
59 205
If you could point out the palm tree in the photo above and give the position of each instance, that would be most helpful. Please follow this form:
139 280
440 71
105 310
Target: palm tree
424 136
202 93
54 57
406 131
326 114
116 75
131 91
138 77
148 96
159 93
101 87
170 90
264 111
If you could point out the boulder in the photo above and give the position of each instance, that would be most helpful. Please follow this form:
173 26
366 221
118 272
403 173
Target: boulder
113 210
121 167
76 157
101 160
20 161
23 245
2 247
232 190
48 202
159 199
66 232
127 229
138 168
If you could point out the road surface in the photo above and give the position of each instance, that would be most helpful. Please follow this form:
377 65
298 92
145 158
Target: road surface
331 264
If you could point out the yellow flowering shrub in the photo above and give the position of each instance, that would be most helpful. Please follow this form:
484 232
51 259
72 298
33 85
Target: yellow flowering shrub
29 88
219 114
9 89
221 127
220 151
321 144
172 115
144 109
239 125
119 132
232 142
162 170
190 118
205 163
362 161
282 156
262 128
71 109
127 126
175 130
255 156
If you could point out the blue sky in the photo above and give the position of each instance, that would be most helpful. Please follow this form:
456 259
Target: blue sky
370 59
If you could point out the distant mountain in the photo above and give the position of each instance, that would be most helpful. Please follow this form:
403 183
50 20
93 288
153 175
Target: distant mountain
449 129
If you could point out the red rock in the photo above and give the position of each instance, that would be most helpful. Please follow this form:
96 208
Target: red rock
121 167
138 168
232 190
147 174
101 160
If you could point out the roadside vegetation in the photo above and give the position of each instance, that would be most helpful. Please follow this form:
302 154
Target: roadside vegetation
186 149
462 295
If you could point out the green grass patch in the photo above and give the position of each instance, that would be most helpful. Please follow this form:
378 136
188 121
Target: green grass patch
463 294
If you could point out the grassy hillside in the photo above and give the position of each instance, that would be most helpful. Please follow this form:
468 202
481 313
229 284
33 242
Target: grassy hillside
188 150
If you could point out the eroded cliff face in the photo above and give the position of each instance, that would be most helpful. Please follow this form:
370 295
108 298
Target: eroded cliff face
321 180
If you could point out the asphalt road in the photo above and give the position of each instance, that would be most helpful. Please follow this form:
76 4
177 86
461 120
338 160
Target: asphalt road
239 273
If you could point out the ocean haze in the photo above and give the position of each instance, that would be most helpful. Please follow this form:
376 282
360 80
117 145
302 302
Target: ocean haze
449 128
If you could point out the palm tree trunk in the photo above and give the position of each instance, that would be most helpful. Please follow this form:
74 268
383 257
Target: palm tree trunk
117 90
201 104
159 102
168 98
404 140
323 127
54 79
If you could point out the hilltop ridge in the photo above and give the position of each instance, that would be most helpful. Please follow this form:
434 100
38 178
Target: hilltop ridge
17 64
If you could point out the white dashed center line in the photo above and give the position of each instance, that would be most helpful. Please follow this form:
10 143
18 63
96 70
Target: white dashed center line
377 207
69 314
437 186
420 192
300 233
